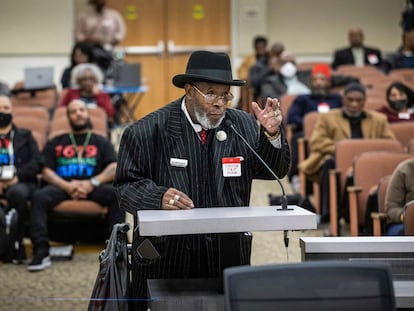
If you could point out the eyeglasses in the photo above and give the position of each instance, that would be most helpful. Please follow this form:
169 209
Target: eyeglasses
213 98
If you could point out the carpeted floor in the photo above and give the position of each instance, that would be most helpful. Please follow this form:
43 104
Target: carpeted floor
67 285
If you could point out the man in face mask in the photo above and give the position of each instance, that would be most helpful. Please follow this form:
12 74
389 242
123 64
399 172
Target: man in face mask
19 158
400 100
286 79
79 165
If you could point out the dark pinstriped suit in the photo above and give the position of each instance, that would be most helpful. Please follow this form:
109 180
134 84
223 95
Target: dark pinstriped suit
144 173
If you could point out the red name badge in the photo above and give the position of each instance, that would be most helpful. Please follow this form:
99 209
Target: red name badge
231 167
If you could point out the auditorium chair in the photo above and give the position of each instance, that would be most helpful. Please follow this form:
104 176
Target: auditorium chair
404 132
46 97
345 151
368 169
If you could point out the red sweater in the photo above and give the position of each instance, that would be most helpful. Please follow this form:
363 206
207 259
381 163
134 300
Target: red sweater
102 100
393 116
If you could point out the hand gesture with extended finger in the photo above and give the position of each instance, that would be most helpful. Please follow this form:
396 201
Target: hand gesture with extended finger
270 117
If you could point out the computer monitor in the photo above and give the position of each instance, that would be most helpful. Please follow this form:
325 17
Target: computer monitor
127 75
38 77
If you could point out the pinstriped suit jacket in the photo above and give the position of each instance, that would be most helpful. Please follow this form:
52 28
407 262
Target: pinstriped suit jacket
144 172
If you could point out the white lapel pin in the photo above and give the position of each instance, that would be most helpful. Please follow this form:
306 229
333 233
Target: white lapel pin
221 135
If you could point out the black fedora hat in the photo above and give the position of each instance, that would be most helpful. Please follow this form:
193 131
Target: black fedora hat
205 66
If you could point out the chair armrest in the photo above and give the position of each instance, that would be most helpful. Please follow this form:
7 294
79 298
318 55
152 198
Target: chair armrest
354 189
289 128
353 208
377 219
378 215
333 202
301 157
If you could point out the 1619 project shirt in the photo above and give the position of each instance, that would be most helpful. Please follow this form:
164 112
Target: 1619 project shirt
80 160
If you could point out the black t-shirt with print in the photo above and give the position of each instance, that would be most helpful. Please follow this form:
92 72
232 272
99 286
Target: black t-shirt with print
60 155
4 150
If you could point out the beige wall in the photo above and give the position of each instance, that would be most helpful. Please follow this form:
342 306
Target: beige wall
319 26
36 26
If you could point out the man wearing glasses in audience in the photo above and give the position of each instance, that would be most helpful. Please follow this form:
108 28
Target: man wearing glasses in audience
172 160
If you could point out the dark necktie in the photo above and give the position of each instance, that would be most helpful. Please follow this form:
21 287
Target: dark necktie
203 136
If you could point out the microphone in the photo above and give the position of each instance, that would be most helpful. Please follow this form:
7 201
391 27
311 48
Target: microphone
284 202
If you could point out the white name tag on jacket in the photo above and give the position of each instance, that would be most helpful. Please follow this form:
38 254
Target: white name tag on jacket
178 162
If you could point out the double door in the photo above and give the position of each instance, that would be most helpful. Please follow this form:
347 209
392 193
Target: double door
161 34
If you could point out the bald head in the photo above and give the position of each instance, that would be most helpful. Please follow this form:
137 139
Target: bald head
356 37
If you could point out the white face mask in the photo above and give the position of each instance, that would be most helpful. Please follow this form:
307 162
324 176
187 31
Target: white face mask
288 70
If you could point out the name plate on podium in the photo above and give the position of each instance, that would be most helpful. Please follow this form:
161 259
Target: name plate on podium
224 219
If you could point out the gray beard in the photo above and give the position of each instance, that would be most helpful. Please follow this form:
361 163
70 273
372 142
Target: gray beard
205 122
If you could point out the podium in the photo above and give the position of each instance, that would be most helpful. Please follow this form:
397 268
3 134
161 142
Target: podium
187 294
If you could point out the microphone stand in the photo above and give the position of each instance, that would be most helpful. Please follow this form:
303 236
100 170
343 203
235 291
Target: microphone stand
284 203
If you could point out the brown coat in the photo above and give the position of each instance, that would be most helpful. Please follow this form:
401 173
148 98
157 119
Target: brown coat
400 190
332 127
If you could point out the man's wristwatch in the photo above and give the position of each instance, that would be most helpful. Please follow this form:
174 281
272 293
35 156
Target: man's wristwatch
95 182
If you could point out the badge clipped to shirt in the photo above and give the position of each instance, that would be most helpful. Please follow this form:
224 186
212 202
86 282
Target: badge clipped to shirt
323 107
176 162
373 59
404 115
231 167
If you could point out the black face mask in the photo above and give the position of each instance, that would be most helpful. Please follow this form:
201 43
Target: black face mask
5 119
398 104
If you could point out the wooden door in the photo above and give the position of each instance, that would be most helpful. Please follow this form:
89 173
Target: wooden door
161 34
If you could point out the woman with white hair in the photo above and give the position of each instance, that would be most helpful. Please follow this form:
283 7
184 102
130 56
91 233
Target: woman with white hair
86 79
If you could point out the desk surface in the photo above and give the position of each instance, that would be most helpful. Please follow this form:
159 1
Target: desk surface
224 219
365 244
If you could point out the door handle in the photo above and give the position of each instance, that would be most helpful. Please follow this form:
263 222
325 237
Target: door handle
184 49
145 49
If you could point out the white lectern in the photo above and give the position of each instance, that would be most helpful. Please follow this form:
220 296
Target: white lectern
224 219
201 294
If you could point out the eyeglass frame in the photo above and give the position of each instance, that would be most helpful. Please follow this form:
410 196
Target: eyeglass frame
213 97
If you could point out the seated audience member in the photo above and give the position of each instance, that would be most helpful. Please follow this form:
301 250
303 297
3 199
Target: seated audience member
285 79
81 53
76 166
260 54
349 122
86 79
357 53
261 68
19 162
100 25
400 192
404 56
400 100
319 100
